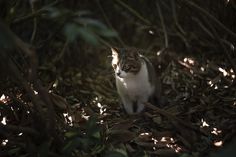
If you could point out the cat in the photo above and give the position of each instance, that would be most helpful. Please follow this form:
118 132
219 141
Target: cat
135 79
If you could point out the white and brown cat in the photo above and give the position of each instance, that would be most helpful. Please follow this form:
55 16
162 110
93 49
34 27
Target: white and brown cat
136 81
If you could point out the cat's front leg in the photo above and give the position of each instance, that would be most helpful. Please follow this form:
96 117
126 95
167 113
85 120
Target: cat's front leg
128 105
140 107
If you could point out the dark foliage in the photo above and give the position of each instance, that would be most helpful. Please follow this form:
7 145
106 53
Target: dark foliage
57 92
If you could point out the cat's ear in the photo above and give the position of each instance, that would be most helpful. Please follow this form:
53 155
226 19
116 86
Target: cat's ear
114 51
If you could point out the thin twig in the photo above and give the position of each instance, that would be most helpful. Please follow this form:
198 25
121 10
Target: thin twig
210 16
108 22
134 12
61 54
203 27
32 2
162 24
172 117
176 18
36 13
224 49
14 128
184 39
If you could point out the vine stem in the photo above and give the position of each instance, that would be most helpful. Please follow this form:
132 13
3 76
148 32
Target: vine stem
190 3
162 24
134 12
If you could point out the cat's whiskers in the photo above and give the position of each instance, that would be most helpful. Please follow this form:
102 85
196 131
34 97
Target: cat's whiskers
135 79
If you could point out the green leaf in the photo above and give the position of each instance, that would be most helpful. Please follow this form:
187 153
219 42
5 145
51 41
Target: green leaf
92 128
71 145
88 36
72 31
108 33
71 134
98 149
14 151
83 13
44 149
88 22
97 134
52 12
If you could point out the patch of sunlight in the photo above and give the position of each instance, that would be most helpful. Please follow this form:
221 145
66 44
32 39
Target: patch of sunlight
84 115
68 119
158 53
170 143
4 121
210 83
155 141
233 76
145 134
215 131
35 92
216 87
163 139
234 104
20 134
12 108
204 123
218 143
223 71
4 99
189 61
202 69
55 84
175 147
95 99
150 32
101 121
4 142
191 71
102 108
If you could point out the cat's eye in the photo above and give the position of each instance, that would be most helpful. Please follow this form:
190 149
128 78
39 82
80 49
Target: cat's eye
126 67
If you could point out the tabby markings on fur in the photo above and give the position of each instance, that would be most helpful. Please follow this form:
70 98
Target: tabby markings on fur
135 79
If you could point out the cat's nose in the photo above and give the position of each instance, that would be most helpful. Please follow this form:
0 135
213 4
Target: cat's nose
118 73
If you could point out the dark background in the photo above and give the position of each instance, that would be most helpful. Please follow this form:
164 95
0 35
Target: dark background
57 91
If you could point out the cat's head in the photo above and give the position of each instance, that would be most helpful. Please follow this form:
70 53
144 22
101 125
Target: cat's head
125 62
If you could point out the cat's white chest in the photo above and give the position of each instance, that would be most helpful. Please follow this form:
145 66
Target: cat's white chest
136 87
